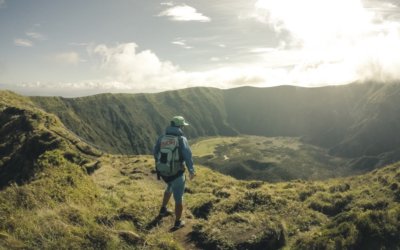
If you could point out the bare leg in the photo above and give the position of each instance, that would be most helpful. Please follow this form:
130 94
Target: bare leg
178 211
167 196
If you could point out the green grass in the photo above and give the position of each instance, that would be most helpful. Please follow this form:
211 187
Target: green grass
207 147
48 200
51 210
268 158
64 205
72 196
306 214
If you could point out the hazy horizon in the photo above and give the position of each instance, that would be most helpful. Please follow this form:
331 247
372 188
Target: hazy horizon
74 48
73 93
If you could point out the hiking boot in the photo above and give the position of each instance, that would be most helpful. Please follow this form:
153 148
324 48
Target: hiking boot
179 224
164 212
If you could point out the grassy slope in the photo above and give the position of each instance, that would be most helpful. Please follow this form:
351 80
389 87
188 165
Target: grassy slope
124 123
357 120
59 204
117 207
43 171
49 200
26 133
111 121
377 130
352 213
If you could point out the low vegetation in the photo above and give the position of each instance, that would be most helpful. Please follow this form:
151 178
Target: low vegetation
72 196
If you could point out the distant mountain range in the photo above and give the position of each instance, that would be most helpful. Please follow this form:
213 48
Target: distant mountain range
359 121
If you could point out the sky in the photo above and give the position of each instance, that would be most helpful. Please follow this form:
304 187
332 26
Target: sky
75 48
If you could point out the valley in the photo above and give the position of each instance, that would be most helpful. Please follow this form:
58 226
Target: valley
59 187
271 159
356 121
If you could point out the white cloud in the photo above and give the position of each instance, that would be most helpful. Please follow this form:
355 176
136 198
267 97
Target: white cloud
379 58
138 69
262 50
23 42
167 3
70 57
35 35
2 3
132 70
313 51
184 13
182 43
124 79
342 39
314 21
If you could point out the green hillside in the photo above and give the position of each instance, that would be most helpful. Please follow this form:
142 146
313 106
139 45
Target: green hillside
26 133
359 121
124 123
66 194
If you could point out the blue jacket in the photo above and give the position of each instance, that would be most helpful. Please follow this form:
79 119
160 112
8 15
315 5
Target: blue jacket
186 151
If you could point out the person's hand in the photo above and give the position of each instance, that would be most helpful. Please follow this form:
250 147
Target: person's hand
192 175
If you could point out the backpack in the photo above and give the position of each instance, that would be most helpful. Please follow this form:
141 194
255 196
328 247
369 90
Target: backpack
169 158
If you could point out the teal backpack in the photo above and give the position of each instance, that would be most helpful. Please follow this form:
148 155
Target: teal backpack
169 158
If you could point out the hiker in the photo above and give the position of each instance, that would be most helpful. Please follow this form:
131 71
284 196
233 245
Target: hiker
171 151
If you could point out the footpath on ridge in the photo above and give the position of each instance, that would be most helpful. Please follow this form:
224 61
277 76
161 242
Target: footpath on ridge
131 179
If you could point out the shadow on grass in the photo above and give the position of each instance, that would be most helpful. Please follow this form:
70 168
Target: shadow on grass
156 221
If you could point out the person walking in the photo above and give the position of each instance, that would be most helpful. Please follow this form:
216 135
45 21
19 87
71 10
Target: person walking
171 153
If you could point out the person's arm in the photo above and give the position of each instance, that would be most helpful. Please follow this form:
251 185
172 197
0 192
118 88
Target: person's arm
187 156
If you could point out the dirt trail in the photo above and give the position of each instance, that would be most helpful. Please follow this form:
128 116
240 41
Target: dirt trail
112 172
182 235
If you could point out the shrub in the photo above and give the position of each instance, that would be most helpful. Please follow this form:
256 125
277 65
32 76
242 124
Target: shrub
203 210
355 230
251 201
330 204
343 187
239 231
374 204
